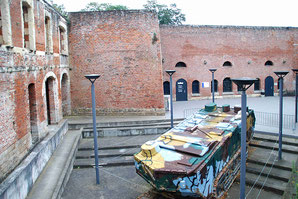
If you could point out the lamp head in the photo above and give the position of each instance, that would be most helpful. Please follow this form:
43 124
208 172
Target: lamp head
212 70
170 72
244 83
281 73
92 77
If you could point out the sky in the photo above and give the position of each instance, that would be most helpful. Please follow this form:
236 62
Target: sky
216 12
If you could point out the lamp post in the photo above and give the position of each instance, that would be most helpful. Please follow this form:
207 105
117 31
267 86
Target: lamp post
243 84
281 75
92 79
296 93
212 70
171 72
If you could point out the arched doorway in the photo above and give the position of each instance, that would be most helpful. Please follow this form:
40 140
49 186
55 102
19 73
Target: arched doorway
269 86
33 113
181 90
65 91
50 100
166 88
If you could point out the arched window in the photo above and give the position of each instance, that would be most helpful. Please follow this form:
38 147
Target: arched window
195 87
28 26
166 88
257 85
268 63
180 64
215 86
65 91
5 25
227 63
278 84
48 35
227 85
33 113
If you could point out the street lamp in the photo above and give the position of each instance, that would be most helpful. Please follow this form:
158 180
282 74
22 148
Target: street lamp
92 79
212 70
281 75
243 84
171 72
296 93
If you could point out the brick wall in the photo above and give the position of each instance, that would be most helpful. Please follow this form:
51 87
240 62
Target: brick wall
124 48
247 48
23 76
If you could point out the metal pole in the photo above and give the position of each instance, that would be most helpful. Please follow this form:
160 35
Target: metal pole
280 117
95 133
213 87
171 101
296 95
243 145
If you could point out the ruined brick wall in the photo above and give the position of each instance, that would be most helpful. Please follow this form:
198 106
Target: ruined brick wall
23 75
124 48
247 48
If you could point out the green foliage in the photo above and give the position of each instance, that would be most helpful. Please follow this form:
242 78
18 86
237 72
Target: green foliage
94 6
166 15
61 9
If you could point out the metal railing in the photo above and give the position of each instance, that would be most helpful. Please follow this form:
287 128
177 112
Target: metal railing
262 118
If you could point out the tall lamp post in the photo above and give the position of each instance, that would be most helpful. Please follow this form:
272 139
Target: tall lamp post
92 79
171 72
296 93
281 75
212 70
243 84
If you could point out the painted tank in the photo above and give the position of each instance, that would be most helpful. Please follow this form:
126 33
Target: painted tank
200 157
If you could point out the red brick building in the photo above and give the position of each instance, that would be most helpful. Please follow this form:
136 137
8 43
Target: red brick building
254 52
34 76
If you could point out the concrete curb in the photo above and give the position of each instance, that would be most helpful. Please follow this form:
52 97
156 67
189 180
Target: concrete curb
64 176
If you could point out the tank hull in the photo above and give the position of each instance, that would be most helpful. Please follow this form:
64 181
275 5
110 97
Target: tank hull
193 161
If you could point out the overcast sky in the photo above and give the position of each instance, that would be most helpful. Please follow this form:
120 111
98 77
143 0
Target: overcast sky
217 12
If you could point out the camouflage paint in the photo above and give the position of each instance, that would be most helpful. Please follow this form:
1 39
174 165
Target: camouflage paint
189 157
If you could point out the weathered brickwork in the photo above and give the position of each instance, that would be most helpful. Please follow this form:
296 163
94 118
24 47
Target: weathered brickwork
247 48
25 68
124 48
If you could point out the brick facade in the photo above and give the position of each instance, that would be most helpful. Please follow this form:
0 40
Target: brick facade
24 70
124 48
246 48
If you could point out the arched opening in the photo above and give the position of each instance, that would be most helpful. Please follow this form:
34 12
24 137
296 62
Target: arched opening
63 44
50 100
181 90
33 113
227 85
47 34
278 83
269 86
180 64
28 26
5 23
65 91
166 88
195 87
227 63
257 85
268 63
215 86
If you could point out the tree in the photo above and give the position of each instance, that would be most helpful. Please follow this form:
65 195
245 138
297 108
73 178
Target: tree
94 6
61 9
166 15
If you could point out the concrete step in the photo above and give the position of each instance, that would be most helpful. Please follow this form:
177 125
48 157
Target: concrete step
273 138
114 152
78 125
127 131
268 184
275 173
50 184
260 156
104 162
275 146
